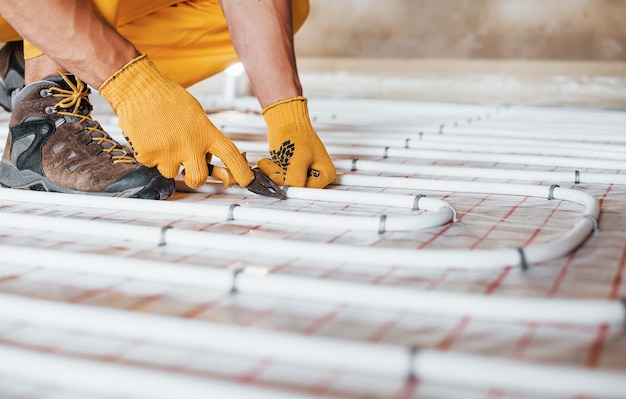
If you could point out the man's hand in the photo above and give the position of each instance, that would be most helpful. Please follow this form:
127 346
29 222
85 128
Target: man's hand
167 127
299 157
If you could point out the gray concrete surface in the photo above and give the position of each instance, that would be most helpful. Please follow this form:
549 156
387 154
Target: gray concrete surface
474 29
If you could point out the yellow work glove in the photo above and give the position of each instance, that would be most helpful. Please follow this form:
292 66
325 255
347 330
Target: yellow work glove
299 157
166 126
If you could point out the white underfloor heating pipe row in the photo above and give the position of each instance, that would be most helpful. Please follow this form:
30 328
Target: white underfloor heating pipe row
99 379
366 256
313 351
487 147
437 213
438 155
572 177
412 140
601 137
462 143
476 379
259 281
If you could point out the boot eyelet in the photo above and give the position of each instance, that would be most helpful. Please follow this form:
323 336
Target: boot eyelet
50 110
44 93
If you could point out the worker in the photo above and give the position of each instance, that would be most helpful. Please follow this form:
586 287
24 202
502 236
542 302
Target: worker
141 55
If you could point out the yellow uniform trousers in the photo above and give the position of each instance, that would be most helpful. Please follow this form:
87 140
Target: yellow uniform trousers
188 40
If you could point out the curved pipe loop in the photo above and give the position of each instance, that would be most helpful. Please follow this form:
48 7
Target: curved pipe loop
437 213
366 256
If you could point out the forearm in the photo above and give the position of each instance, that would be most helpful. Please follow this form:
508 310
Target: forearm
262 35
71 33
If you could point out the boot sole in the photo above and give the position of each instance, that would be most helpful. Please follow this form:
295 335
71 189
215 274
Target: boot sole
158 188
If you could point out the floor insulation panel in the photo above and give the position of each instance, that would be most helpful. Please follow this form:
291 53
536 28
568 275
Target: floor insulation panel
473 251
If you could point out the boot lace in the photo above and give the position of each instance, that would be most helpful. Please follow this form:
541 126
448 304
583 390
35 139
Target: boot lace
78 98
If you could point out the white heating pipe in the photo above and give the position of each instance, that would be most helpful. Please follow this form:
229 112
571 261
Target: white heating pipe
364 198
409 115
365 256
539 191
258 281
440 303
537 379
439 213
313 351
117 380
175 207
389 152
332 194
576 119
538 133
271 247
574 176
573 118
464 143
487 147
414 140
590 124
378 223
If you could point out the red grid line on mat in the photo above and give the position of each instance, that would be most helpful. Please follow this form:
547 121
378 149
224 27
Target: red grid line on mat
494 285
253 374
496 393
525 341
435 236
408 390
597 347
203 307
511 211
10 277
605 194
144 301
448 340
379 279
545 222
471 209
442 277
319 322
324 386
561 276
617 280
385 328
88 294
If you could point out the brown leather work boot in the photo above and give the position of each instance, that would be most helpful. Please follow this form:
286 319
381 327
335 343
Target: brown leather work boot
55 145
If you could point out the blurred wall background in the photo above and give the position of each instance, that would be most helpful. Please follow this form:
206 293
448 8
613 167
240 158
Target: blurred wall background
484 29
537 52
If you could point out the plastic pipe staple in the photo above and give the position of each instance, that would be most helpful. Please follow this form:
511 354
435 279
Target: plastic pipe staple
380 359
